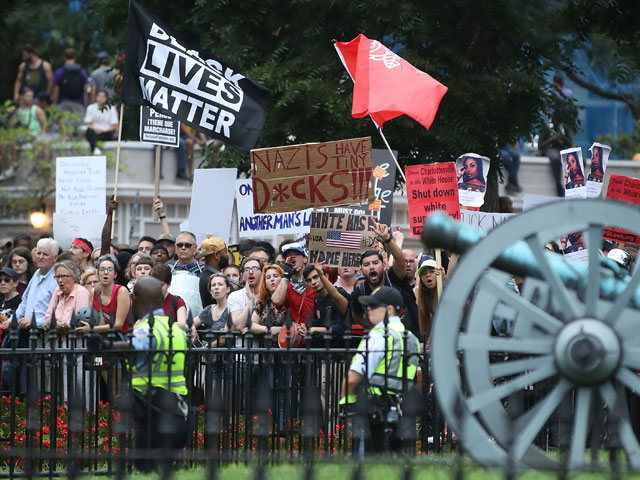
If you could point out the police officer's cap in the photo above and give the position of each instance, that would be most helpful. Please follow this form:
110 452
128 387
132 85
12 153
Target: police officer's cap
383 296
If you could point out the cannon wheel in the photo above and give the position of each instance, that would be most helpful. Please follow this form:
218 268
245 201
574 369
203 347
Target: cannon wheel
578 347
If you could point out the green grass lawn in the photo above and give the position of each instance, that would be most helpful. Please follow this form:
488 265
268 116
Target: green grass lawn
433 470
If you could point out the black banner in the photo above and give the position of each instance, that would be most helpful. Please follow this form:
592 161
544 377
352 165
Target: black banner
165 72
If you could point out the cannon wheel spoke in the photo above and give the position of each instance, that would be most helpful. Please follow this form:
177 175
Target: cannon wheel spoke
526 310
514 367
615 401
567 303
614 313
594 239
581 422
480 400
529 424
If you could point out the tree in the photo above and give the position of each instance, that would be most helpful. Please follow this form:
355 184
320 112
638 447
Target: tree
494 58
608 31
50 27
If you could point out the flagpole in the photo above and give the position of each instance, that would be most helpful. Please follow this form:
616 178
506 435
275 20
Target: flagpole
115 177
344 64
390 151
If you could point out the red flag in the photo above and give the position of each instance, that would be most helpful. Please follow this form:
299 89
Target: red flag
387 86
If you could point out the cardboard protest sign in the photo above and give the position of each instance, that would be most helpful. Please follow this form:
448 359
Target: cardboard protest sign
158 128
573 167
431 188
68 227
338 239
599 160
384 180
212 203
483 220
316 175
472 170
81 184
260 224
625 189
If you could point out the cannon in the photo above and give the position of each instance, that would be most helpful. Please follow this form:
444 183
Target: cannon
574 338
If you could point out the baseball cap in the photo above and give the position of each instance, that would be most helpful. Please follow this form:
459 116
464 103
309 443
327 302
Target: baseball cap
212 245
168 237
297 246
383 296
157 247
621 257
426 262
102 55
9 272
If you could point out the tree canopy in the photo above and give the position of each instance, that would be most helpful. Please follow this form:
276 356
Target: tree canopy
495 57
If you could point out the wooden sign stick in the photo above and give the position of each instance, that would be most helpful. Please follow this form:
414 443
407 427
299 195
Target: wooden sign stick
439 276
157 180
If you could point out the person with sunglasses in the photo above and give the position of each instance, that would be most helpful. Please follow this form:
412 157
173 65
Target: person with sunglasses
185 273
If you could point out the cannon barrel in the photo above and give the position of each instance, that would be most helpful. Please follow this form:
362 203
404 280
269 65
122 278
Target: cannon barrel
441 231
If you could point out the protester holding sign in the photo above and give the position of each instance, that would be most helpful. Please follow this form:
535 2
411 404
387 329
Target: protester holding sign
426 293
375 272
293 291
599 159
472 170
330 306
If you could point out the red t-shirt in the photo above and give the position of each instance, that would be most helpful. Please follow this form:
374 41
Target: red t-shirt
167 306
108 310
300 305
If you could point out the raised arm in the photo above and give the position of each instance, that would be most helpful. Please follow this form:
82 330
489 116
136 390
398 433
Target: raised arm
341 302
105 241
399 265
279 296
158 206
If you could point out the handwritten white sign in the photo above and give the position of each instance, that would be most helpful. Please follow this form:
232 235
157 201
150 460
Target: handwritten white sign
483 220
81 185
67 228
263 224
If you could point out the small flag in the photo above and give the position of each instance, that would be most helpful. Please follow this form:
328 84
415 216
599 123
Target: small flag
386 85
344 240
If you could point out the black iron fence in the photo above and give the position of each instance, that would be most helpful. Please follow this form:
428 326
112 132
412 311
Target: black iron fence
68 408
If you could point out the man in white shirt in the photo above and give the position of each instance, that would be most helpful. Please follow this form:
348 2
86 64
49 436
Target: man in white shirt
242 302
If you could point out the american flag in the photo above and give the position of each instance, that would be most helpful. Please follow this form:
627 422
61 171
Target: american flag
344 240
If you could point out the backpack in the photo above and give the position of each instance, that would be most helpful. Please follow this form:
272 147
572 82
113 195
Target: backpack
72 85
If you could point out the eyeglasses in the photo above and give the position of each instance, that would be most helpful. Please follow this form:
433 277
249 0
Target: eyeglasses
251 269
6 280
106 270
184 245
61 277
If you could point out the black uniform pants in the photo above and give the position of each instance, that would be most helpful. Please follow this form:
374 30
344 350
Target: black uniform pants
161 429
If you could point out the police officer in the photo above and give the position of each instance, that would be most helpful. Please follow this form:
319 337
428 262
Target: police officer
158 378
383 368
